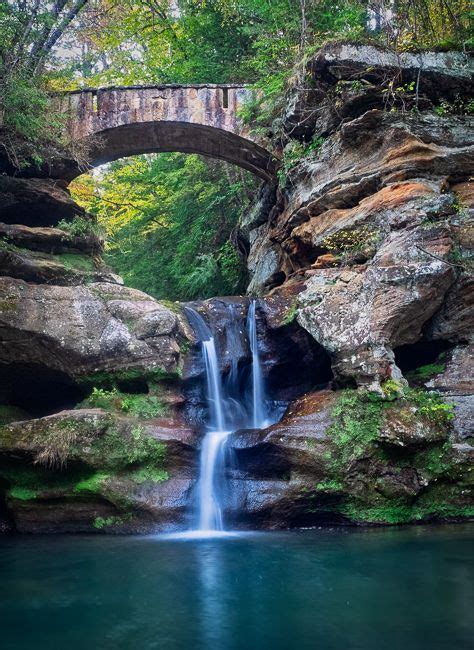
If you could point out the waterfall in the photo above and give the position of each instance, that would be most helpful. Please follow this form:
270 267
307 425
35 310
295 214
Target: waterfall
259 419
213 446
228 408
214 388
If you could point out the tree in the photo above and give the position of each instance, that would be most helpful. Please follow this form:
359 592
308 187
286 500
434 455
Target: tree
170 221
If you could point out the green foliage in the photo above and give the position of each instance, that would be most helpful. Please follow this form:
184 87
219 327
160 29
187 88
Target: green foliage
436 461
332 485
22 493
426 372
349 243
142 406
80 227
430 404
294 153
76 261
392 389
169 220
356 424
403 513
460 106
290 315
117 449
36 478
357 418
26 109
117 379
103 399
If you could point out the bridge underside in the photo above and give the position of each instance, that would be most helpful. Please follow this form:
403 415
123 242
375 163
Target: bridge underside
155 137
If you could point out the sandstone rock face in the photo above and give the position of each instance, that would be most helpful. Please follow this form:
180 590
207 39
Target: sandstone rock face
36 201
341 460
48 240
456 383
365 254
375 220
83 329
90 471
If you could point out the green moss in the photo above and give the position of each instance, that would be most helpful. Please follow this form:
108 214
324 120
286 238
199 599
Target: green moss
36 477
151 474
22 493
116 449
331 485
119 378
399 513
76 261
434 461
114 520
92 484
143 406
8 304
290 315
424 373
387 513
357 420
80 227
356 423
430 405
172 305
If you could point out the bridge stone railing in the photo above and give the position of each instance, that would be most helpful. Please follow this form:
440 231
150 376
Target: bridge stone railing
95 110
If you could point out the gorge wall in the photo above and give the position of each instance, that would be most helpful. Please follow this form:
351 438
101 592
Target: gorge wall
362 254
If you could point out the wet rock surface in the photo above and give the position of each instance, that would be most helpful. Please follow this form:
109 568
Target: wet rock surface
355 461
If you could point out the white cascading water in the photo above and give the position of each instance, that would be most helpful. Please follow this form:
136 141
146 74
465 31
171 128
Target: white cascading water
213 446
227 410
259 419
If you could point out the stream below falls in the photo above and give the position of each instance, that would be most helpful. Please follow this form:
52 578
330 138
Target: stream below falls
333 589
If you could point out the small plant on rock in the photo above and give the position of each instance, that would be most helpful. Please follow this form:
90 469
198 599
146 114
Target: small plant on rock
353 244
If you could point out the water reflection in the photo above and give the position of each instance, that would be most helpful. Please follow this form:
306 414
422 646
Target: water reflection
389 589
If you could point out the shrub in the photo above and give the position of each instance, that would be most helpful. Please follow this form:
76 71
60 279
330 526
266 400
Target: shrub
294 153
143 406
80 227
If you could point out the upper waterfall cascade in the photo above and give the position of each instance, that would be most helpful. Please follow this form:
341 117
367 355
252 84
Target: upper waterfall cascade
233 403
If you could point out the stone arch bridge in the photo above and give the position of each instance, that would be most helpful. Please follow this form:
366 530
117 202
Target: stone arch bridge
203 119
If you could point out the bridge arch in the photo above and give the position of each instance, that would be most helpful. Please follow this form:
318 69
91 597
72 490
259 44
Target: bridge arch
202 119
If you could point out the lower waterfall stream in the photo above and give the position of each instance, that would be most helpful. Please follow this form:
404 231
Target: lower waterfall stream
229 409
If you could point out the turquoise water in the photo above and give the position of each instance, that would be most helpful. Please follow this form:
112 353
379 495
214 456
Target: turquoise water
384 589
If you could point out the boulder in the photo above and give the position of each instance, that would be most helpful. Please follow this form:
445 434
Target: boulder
80 330
88 470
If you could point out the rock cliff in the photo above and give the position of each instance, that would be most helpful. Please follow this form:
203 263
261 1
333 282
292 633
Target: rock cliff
361 256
